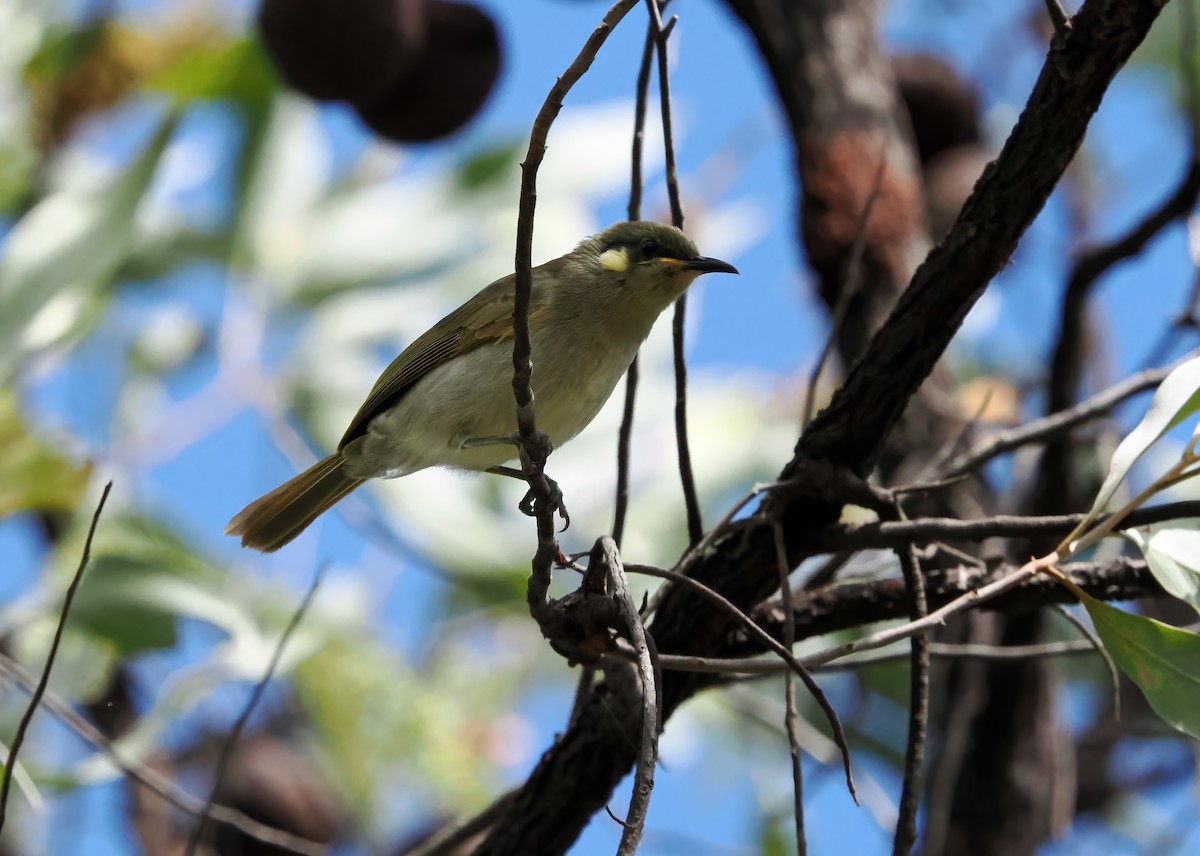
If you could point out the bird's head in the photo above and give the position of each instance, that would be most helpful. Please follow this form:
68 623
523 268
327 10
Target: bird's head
648 261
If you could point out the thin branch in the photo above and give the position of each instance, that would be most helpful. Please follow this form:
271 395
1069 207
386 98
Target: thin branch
757 667
918 707
905 631
893 534
240 725
1058 17
621 506
533 445
40 690
770 642
1050 426
687 478
1094 640
789 687
1067 362
155 781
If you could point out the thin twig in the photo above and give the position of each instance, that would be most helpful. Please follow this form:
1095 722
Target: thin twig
150 778
1050 426
1058 17
40 690
894 634
893 534
691 501
533 445
240 725
634 212
789 689
849 287
918 707
765 666
835 725
1094 640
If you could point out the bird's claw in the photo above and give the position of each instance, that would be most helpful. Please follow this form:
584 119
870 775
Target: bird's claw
532 508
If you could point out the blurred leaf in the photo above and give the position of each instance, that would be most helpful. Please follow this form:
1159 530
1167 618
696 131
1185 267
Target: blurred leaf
489 167
63 48
33 474
1163 660
1177 398
73 240
1172 551
772 841
117 603
205 70
381 721
165 254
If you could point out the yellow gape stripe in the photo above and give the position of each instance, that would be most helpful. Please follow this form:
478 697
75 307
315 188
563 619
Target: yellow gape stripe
616 259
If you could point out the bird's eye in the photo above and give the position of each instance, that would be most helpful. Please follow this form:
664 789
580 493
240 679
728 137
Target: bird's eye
650 249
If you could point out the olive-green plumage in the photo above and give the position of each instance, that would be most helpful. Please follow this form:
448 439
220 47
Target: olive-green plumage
590 310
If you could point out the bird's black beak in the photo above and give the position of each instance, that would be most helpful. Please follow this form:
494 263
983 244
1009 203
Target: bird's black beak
707 265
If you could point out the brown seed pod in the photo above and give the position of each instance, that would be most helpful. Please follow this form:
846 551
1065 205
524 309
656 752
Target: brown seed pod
349 50
446 85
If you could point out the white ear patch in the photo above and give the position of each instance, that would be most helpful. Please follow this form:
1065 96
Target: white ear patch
616 259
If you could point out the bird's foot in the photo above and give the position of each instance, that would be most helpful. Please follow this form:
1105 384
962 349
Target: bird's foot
531 506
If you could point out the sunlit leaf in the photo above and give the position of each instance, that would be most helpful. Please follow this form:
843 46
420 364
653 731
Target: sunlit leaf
72 240
1163 660
33 473
233 69
489 167
1178 397
1172 551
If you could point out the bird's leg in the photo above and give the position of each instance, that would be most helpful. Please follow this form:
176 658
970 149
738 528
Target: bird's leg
513 439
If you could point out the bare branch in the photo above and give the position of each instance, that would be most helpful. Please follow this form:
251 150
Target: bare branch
1050 426
40 690
240 725
533 445
155 781
893 534
918 707
791 717
691 502
634 212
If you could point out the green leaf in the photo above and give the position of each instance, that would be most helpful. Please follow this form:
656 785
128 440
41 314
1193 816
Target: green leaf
33 474
1163 660
489 167
1172 551
1178 397
234 70
73 240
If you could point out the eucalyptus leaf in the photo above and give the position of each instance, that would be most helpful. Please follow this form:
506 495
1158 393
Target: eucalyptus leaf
1163 660
1172 551
34 475
71 241
1177 398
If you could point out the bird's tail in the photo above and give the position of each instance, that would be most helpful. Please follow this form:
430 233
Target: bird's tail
275 519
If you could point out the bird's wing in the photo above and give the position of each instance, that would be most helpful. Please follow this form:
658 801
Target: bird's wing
485 318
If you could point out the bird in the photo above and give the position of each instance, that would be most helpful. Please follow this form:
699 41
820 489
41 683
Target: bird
447 400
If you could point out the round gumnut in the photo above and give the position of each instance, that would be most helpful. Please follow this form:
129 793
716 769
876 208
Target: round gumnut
347 50
446 85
